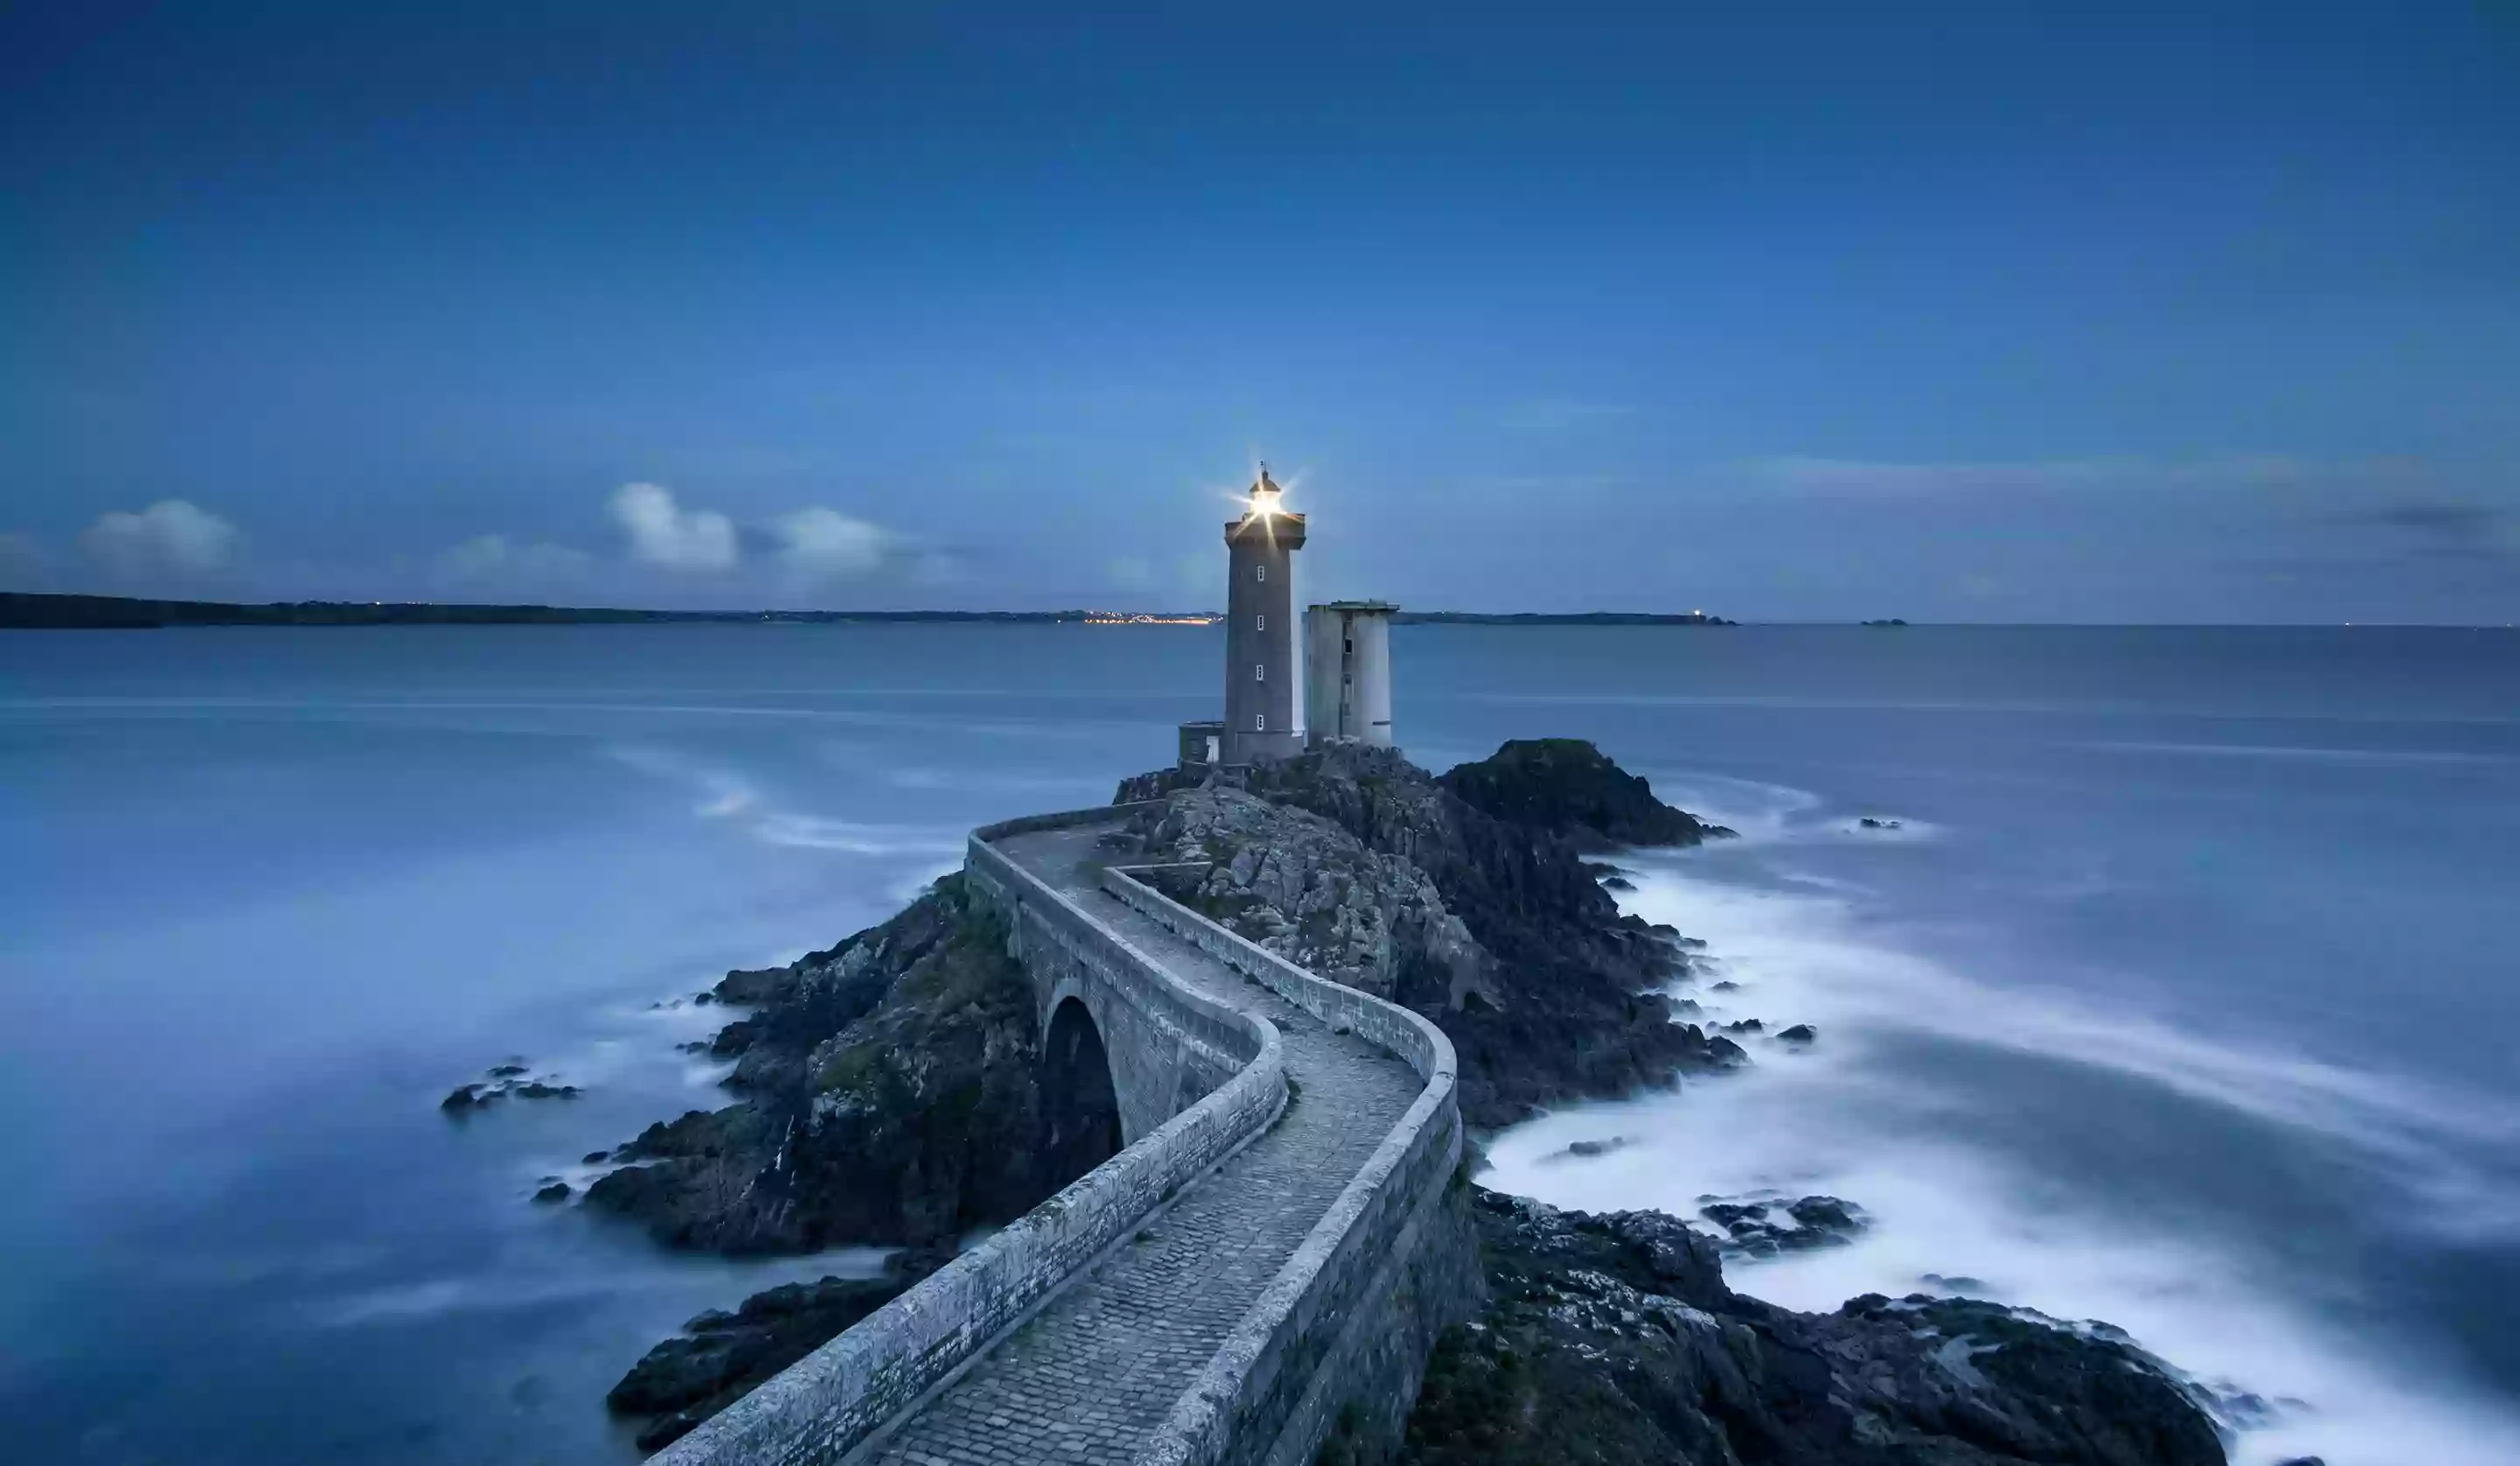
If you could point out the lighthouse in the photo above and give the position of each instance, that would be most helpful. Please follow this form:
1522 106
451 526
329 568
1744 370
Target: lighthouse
1260 628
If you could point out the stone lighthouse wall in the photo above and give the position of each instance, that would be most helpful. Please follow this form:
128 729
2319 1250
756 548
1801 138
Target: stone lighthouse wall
1347 672
1260 669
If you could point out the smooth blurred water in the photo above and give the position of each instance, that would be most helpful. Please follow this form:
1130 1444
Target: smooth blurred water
2182 997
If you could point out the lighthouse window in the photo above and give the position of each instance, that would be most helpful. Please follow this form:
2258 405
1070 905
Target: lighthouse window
1259 672
1259 572
1262 724
1263 619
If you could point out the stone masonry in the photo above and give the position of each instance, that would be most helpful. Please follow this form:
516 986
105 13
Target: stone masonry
1244 1312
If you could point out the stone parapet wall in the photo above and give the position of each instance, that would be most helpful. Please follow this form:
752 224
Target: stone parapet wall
818 1409
1168 1046
1339 1343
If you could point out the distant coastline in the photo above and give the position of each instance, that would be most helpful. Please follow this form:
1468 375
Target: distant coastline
27 610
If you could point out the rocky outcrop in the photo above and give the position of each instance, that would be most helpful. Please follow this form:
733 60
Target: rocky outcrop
890 1097
1571 788
502 1081
1307 890
1614 1338
1765 1226
1372 866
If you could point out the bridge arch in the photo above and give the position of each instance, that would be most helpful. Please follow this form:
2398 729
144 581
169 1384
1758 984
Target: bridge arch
1354 1247
1080 1109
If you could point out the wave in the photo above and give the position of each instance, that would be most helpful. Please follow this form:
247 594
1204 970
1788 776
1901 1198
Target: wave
1858 1117
1761 813
724 794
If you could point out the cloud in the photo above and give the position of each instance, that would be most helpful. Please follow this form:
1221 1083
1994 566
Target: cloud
2442 529
664 533
168 538
1857 477
496 560
818 545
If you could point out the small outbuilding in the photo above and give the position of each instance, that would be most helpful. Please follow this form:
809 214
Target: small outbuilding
1347 672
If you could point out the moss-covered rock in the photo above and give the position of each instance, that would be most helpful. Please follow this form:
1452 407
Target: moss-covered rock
891 1096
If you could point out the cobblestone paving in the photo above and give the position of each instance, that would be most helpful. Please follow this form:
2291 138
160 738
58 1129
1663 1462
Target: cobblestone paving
1090 1376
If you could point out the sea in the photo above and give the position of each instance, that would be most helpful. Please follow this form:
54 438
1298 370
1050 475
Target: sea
2175 984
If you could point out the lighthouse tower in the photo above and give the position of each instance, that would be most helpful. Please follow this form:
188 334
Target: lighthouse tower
1260 630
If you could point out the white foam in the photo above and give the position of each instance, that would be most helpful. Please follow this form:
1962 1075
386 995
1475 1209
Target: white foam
856 838
1836 1120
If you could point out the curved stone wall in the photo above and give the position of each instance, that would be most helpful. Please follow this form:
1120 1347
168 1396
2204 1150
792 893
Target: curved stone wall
1336 1342
819 1407
1346 1326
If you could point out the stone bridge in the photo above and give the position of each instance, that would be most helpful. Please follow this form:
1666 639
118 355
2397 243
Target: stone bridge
1261 1269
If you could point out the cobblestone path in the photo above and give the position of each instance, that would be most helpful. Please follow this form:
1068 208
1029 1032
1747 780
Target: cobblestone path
1091 1375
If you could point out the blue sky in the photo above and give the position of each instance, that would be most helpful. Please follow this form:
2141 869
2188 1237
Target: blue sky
1791 312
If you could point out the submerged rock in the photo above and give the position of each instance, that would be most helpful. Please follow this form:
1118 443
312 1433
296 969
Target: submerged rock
556 1191
504 1082
1585 1149
1801 1032
1765 1227
1614 1338
468 1097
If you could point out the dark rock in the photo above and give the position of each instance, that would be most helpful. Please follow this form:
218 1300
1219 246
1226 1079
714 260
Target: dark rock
537 1089
1801 1032
507 1072
755 986
1553 994
1570 788
468 1097
1586 1149
2301 1461
891 1096
1745 1026
703 999
732 1040
1827 1213
1613 1338
1156 784
557 1191
597 1158
1764 1227
1727 986
1954 1284
685 1380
